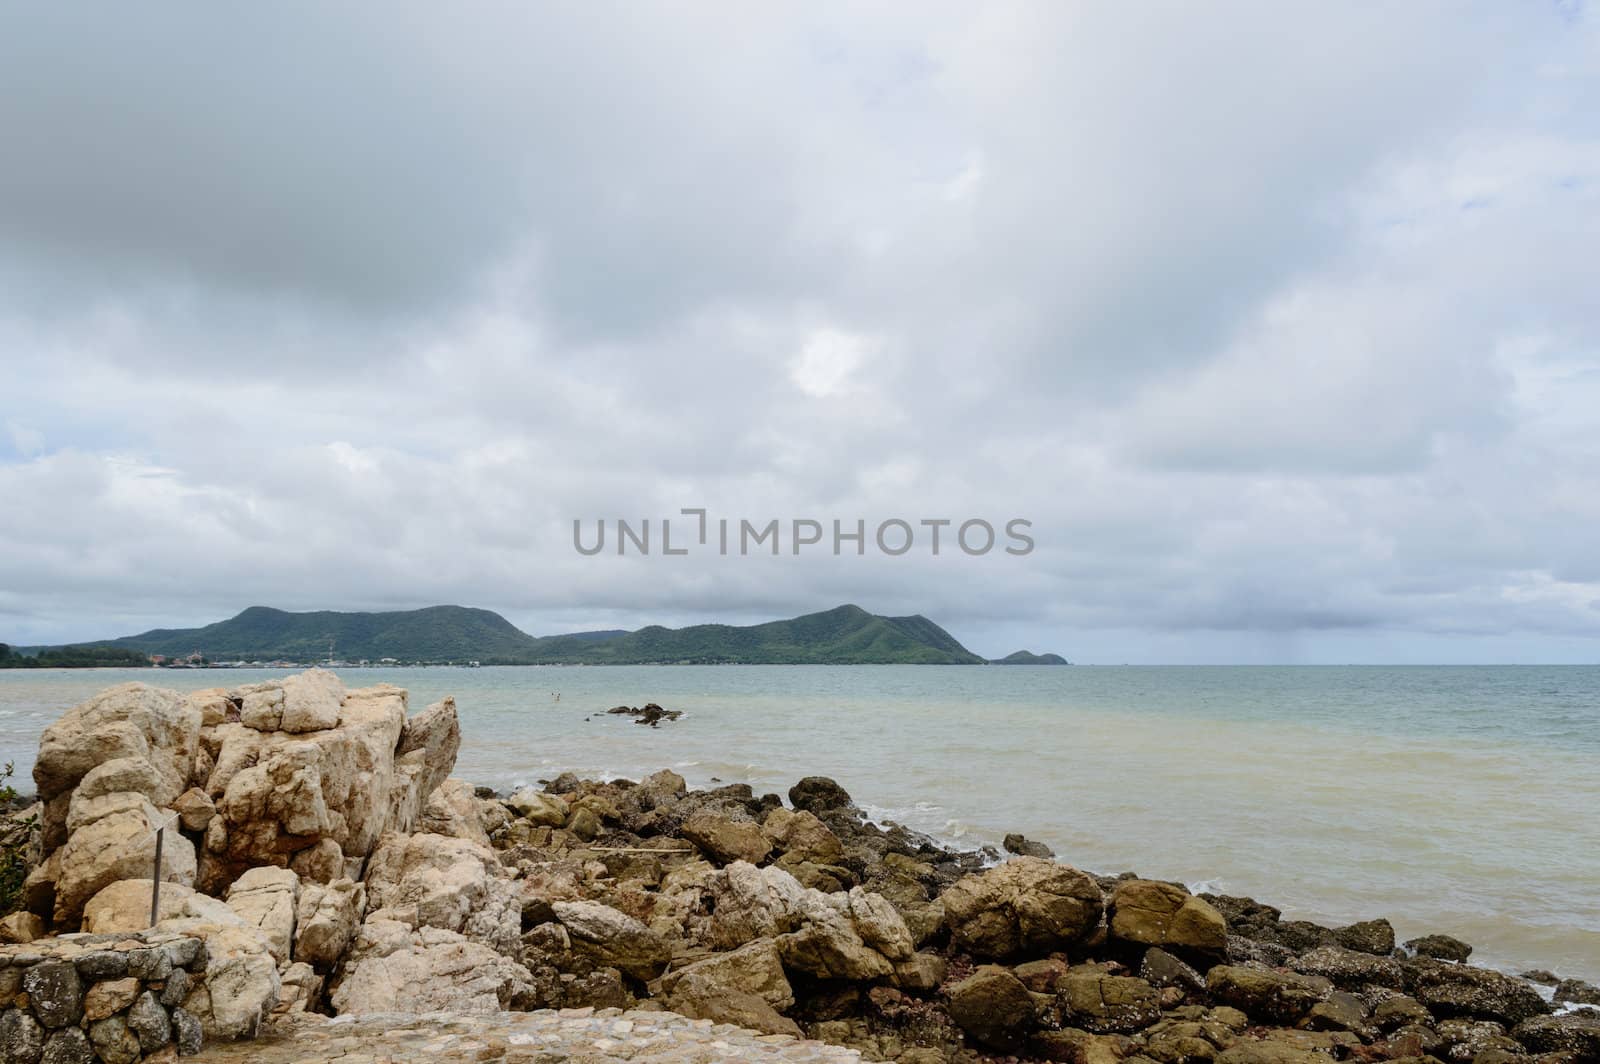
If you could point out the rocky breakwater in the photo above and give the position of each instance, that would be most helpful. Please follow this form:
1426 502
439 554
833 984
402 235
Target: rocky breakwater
336 869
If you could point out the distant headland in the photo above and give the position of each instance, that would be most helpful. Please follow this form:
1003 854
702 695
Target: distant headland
460 635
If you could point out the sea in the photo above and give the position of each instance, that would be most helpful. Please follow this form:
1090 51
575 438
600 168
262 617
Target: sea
1462 800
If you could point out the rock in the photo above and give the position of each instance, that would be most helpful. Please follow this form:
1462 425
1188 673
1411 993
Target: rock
549 810
802 835
585 823
21 1037
21 928
1576 992
1026 905
1269 1052
67 1046
109 997
241 984
150 1022
301 989
1349 969
114 1042
195 809
54 992
322 863
1573 1033
1266 996
431 739
1026 847
750 903
726 840
131 720
1160 968
121 775
326 920
311 701
1152 913
1109 1003
454 884
1342 1011
452 810
187 1033
125 906
831 940
1441 947
393 968
921 972
993 1007
613 938
722 987
819 794
278 793
1450 989
1398 1010
119 845
266 897
1368 936
261 707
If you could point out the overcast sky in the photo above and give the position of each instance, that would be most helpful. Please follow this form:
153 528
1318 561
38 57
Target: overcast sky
1280 322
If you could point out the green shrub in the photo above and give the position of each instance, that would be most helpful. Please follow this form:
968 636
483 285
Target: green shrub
16 837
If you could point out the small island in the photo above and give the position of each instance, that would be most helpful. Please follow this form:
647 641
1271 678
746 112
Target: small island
1028 657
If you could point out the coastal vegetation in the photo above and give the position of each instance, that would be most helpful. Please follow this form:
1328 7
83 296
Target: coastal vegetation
73 657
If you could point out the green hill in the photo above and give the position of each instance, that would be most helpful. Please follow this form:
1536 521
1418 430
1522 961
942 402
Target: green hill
847 635
437 633
1027 657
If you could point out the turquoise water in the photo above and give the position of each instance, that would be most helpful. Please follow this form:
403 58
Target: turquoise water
1452 799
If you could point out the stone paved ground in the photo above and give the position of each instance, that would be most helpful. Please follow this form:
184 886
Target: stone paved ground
571 1036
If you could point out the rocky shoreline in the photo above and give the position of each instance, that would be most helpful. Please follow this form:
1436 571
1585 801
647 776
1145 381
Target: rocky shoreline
331 867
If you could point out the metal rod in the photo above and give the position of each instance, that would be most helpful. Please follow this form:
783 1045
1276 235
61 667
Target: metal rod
155 880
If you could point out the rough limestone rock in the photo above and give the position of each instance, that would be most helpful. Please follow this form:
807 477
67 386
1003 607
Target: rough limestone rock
267 898
241 985
394 968
1152 913
1264 995
802 835
158 727
452 809
754 968
117 845
748 903
195 809
454 884
311 701
994 1008
1450 990
1026 905
830 944
280 794
613 938
125 906
539 809
109 997
326 921
21 928
725 839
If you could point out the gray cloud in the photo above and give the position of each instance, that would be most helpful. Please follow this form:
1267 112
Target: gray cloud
1276 322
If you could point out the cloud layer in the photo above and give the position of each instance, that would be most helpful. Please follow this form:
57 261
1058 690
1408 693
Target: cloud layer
1277 322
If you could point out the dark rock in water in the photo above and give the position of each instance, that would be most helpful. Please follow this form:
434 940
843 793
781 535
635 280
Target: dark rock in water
1242 949
1456 990
1398 1011
1573 1033
649 713
1019 844
1108 1004
1576 992
819 794
1442 947
487 793
994 1008
1368 936
1349 969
